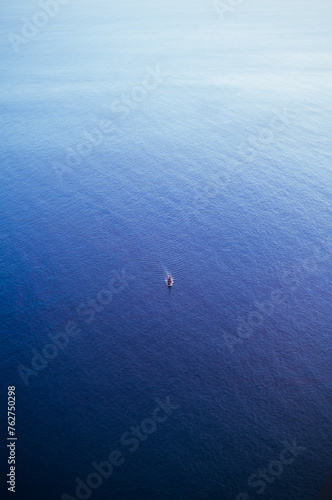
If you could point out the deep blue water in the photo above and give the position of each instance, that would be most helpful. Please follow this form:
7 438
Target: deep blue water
216 170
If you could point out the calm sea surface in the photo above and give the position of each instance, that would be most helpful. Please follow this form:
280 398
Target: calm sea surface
145 137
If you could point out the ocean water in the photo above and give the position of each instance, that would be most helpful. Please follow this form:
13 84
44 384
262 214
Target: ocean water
141 138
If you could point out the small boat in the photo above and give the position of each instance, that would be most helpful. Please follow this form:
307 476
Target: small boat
169 280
